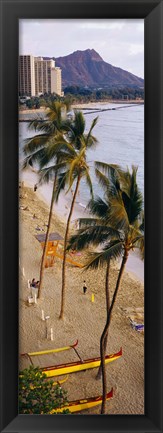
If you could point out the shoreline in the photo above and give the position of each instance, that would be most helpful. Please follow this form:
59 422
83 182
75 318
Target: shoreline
85 105
61 210
83 320
44 193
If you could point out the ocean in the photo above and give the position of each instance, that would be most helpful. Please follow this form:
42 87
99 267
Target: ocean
120 134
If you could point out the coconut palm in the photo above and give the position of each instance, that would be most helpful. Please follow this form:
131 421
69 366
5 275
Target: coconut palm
124 225
126 215
73 154
41 150
94 232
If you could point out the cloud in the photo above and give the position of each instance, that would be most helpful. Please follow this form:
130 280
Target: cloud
140 27
119 42
102 25
135 49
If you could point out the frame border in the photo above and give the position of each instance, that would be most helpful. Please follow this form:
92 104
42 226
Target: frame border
152 12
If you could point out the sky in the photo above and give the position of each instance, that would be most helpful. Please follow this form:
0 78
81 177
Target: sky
119 42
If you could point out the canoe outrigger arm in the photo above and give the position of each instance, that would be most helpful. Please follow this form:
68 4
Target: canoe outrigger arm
47 352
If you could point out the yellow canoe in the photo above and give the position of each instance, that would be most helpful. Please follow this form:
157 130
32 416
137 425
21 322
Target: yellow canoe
87 403
73 367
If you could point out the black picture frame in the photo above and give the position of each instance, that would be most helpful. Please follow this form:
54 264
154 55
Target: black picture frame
152 12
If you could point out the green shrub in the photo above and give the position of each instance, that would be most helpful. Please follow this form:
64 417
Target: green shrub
37 394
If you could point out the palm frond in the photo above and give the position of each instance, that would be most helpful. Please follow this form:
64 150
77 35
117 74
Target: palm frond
45 175
103 180
133 207
133 200
33 158
73 171
76 130
43 125
141 248
35 123
34 143
109 178
139 243
111 251
90 140
141 226
67 103
48 173
98 207
62 180
92 235
137 239
86 222
26 163
77 166
107 168
79 123
117 217
88 181
61 143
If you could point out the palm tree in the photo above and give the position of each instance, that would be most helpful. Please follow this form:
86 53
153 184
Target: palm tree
126 214
95 232
73 153
41 149
124 219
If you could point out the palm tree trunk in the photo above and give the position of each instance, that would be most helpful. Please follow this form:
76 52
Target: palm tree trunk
65 252
105 332
46 239
99 374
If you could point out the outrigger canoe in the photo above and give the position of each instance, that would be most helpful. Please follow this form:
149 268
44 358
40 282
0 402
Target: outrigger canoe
87 403
72 367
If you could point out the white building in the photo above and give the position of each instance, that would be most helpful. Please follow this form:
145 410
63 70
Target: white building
38 76
56 81
43 69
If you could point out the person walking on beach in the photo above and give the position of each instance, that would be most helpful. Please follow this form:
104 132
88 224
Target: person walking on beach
33 283
84 288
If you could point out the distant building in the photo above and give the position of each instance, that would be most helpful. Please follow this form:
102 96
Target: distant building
26 75
38 76
43 69
56 81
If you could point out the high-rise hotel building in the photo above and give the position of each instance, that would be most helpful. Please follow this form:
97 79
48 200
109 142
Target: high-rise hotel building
27 75
38 76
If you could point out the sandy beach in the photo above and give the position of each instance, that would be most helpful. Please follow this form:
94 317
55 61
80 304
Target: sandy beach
83 320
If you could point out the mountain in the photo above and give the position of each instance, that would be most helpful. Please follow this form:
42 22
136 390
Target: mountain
87 68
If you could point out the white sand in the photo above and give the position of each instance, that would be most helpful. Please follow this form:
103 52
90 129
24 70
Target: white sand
84 320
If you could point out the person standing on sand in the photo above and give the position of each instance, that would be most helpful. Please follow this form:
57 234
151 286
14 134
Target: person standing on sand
33 283
84 288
